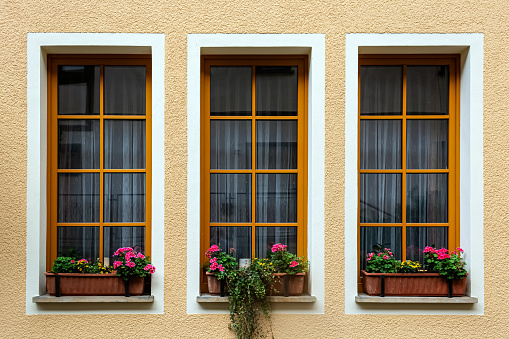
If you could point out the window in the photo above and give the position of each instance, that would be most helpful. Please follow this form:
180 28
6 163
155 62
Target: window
99 155
254 154
408 154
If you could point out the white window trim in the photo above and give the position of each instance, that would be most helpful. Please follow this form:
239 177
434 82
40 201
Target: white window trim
314 45
38 46
470 47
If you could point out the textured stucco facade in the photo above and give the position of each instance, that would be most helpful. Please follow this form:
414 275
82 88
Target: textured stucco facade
177 19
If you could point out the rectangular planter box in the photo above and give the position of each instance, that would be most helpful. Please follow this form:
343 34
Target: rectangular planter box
295 284
92 284
412 284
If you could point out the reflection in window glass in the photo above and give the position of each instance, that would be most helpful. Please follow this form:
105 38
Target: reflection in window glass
427 144
276 198
276 144
230 144
381 90
427 90
235 237
230 90
78 242
122 236
124 144
230 198
78 144
125 90
78 89
124 197
276 90
380 198
78 197
427 198
266 237
380 144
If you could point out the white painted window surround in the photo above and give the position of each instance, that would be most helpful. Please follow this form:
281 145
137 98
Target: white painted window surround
39 45
470 47
314 46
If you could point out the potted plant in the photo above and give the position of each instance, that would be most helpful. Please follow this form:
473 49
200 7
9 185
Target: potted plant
444 274
290 271
217 269
70 276
249 289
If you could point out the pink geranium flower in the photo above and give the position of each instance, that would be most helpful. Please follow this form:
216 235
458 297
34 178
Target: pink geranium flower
386 257
293 264
117 264
140 255
130 264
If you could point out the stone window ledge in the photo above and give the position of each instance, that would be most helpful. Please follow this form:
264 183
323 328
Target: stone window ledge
207 298
46 298
364 298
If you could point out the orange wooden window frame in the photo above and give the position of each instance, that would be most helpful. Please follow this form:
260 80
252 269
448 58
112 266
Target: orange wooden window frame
98 60
221 60
453 169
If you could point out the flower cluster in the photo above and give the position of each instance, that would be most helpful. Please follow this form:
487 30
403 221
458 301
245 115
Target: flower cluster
287 262
449 264
220 263
409 267
130 263
382 262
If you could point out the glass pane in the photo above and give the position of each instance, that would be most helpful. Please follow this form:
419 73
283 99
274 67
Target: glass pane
230 90
427 144
276 90
124 197
427 198
230 144
117 237
380 144
427 90
238 238
380 198
276 144
230 197
381 90
266 237
417 238
124 90
78 144
78 242
276 198
386 237
124 144
78 197
78 89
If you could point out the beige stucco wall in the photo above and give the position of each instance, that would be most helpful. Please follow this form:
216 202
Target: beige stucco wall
178 18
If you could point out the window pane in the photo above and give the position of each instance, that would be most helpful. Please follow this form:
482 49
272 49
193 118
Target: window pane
116 237
427 198
124 90
238 238
427 144
230 90
78 242
381 90
266 237
78 89
230 144
427 90
417 238
276 90
276 144
276 198
380 198
78 197
230 197
380 144
78 144
386 237
124 197
124 144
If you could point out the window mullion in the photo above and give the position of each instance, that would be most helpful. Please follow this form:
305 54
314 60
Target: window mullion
253 162
101 164
403 167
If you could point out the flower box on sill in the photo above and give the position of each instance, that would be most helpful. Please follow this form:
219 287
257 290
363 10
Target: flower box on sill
80 284
412 285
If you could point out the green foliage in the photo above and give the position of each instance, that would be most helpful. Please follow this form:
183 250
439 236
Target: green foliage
287 262
249 290
382 262
448 264
70 265
64 265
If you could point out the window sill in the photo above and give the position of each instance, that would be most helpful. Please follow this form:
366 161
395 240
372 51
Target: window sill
364 298
46 298
207 298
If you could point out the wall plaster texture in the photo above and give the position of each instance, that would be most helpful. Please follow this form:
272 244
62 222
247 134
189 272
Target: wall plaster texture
178 18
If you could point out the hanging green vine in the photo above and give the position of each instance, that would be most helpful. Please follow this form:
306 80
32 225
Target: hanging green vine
250 307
